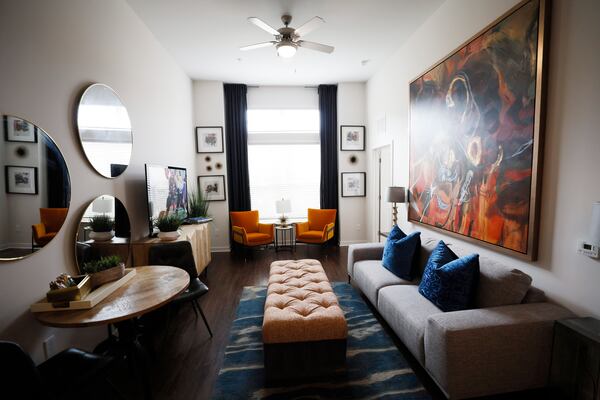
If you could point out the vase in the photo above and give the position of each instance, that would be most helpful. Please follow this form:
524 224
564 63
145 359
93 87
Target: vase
169 236
102 236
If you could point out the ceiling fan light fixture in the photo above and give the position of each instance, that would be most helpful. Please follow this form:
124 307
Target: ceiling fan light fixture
286 49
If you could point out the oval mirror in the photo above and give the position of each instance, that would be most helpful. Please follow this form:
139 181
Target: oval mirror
34 201
103 231
104 130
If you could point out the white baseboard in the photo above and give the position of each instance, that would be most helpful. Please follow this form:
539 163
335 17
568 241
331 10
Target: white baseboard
220 249
349 242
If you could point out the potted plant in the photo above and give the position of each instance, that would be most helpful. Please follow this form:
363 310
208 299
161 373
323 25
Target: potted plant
198 205
104 270
102 228
168 225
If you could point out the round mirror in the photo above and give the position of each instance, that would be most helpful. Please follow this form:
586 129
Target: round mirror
104 232
104 130
36 190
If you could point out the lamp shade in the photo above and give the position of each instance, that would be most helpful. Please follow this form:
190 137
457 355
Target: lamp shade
283 206
595 223
396 194
102 205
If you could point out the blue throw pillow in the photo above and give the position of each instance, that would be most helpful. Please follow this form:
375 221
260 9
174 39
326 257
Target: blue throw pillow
450 282
396 233
399 255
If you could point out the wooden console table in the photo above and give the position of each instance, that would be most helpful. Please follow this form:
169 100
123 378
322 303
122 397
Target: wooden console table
198 235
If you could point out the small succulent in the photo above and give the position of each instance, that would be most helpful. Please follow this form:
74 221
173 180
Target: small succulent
102 223
168 223
101 264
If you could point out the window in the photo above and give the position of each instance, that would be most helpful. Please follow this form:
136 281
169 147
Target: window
284 160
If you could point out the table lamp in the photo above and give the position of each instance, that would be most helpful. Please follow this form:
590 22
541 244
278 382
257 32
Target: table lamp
283 206
395 194
103 206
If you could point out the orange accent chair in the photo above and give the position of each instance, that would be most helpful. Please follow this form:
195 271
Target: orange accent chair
51 220
318 229
247 231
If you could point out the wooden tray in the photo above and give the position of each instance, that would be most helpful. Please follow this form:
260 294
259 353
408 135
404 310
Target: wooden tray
89 301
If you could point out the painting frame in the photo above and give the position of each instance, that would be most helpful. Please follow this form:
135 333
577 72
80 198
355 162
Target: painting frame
362 176
220 195
10 135
362 137
539 118
11 177
202 146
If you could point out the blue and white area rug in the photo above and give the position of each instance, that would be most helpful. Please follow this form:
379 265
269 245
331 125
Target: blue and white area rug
375 367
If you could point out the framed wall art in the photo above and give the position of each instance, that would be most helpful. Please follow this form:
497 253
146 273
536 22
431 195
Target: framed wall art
476 135
213 187
21 180
19 130
209 139
354 184
352 138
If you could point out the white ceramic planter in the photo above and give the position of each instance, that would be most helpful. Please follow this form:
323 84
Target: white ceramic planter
102 236
169 236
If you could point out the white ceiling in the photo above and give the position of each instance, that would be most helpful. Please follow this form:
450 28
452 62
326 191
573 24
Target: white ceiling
204 37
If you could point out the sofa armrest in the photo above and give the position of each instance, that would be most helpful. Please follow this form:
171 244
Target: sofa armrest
38 230
301 227
328 231
363 251
491 350
239 234
266 228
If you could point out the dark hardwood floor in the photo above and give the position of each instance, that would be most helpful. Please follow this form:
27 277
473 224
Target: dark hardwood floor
185 363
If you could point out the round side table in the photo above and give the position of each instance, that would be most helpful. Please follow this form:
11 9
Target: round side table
284 237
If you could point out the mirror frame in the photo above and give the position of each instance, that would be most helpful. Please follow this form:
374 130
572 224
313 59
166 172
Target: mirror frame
76 115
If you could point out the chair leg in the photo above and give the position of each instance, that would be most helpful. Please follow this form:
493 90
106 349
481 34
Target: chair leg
203 318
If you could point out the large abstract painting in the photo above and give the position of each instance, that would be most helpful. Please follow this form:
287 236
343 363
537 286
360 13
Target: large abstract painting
475 135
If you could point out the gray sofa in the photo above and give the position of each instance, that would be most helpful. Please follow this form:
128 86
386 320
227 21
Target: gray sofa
503 345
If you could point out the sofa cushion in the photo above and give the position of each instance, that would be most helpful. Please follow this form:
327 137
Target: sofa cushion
534 295
451 286
500 285
370 276
399 255
406 311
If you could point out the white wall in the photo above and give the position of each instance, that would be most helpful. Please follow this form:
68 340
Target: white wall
209 110
352 210
61 47
571 162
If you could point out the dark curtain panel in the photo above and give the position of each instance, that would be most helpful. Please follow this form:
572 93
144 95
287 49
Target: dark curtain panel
59 186
236 131
329 161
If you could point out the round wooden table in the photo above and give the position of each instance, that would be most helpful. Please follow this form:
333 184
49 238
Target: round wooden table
150 288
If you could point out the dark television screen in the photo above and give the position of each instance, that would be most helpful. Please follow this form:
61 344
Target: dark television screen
166 188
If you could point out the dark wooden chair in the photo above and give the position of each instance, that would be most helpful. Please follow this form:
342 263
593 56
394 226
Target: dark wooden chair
70 374
180 255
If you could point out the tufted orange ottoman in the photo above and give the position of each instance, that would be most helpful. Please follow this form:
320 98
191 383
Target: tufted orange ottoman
304 329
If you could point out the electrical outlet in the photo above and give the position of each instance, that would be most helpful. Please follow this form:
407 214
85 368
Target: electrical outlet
49 346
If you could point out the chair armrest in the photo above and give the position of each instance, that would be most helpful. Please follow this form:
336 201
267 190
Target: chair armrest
328 231
266 228
490 350
301 227
38 230
363 251
239 234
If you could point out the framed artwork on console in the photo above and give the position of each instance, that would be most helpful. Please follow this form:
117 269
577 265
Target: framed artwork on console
213 187
352 138
354 184
476 127
209 139
21 180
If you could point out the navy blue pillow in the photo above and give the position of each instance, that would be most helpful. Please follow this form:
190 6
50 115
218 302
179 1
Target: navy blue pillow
399 255
396 233
450 282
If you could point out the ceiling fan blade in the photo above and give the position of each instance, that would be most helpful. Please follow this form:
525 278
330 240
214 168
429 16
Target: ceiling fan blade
257 45
316 46
309 26
263 25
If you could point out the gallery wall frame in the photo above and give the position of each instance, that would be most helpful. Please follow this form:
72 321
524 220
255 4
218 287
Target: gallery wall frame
492 196
19 130
212 187
209 139
353 137
354 184
21 179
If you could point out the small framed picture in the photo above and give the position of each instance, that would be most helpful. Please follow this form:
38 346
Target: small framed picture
21 180
212 187
209 139
352 138
19 130
354 184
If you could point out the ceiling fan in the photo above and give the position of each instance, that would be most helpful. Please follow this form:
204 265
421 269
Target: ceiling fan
287 40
